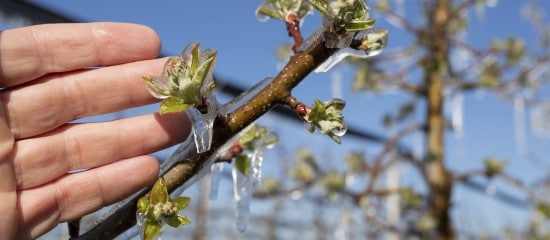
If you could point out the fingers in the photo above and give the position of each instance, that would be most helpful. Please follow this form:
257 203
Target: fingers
75 195
60 98
75 146
31 52
7 183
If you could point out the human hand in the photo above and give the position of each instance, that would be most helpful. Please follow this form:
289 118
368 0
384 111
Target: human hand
47 81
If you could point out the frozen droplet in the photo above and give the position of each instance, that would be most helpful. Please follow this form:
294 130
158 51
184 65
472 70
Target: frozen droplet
491 189
202 129
296 195
140 218
215 176
242 193
374 41
340 131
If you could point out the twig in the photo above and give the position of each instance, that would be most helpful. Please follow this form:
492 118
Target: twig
188 166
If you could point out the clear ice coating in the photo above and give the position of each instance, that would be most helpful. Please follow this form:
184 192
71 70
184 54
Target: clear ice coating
261 17
242 193
215 176
311 39
245 96
140 219
373 40
203 124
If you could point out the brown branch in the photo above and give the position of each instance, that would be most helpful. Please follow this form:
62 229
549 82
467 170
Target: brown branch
190 163
293 29
378 167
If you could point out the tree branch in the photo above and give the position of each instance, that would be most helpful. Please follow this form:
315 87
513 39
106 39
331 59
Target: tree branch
189 165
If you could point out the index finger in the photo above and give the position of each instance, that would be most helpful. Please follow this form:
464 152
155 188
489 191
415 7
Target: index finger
30 52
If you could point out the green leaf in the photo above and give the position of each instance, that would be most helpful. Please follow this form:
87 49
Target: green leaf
493 166
143 204
195 58
173 104
157 86
327 118
151 229
181 202
242 163
322 6
358 25
248 136
544 209
159 193
202 72
177 220
270 12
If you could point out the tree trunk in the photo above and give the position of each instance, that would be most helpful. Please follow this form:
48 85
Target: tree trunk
438 178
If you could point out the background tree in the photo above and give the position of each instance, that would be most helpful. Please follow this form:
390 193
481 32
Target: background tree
438 68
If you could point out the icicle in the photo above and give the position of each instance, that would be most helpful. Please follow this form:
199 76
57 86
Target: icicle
256 165
374 33
215 176
202 130
519 124
491 188
203 124
242 193
337 84
457 111
540 120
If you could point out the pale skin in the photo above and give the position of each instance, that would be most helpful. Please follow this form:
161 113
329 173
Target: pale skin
49 77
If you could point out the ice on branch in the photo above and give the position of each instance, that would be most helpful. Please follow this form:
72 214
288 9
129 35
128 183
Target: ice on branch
327 118
247 169
186 83
286 10
344 15
370 42
203 124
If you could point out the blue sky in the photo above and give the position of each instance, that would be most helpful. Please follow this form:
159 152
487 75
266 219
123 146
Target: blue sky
246 55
